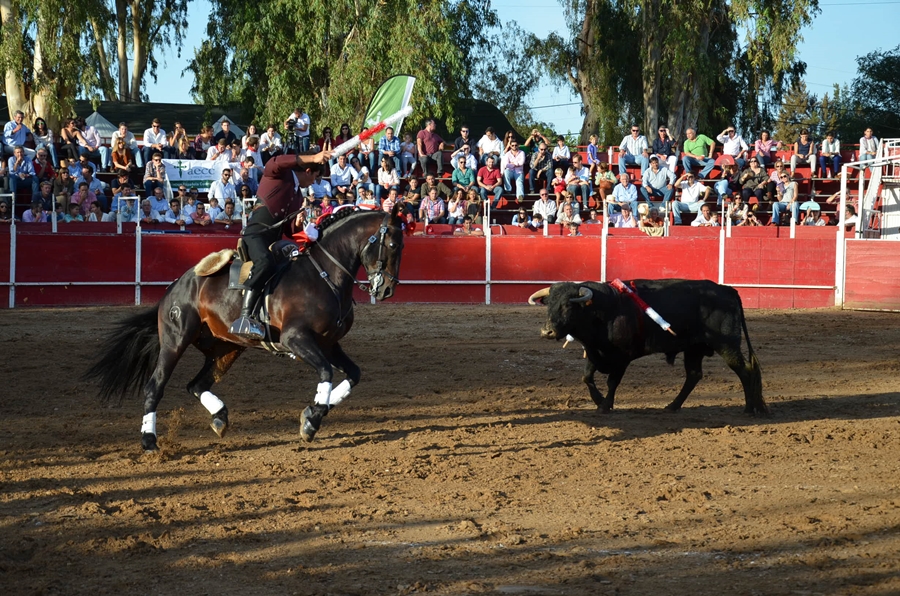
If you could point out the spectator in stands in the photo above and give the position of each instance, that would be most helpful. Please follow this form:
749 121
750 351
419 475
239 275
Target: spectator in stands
567 215
830 155
787 199
225 133
270 144
128 212
200 217
154 173
213 208
804 153
868 146
367 154
251 132
390 200
95 213
664 149
763 147
43 169
365 197
813 217
43 139
301 125
179 145
456 207
738 212
16 134
591 218
734 146
70 140
539 167
544 207
508 138
122 158
534 140
433 208
21 171
6 214
605 181
754 182
320 189
364 179
693 195
578 179
158 200
343 179
413 196
326 141
84 197
729 183
228 217
625 219
63 183
558 184
223 188
593 155
444 191
490 146
155 141
175 216
244 179
489 182
568 199
122 180
389 146
428 145
464 153
463 176
657 182
45 196
387 178
706 218
468 228
634 150
694 153
121 191
345 135
464 138
624 193
775 186
202 142
131 146
521 218
512 164
473 205
650 220
573 228
409 155
147 214
561 156
219 152
75 167
36 214
850 218
235 155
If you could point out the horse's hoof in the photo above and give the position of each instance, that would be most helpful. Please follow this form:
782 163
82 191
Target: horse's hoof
672 408
311 421
148 442
219 427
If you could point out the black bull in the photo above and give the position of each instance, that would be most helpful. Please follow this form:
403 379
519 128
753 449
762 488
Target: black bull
706 317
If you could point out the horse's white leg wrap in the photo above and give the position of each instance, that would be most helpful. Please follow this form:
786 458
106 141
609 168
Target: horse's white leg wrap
149 424
323 394
212 403
339 393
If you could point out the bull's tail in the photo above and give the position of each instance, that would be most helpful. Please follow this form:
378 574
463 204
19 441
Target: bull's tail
128 355
754 385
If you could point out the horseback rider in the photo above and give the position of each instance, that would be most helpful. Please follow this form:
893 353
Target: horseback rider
280 195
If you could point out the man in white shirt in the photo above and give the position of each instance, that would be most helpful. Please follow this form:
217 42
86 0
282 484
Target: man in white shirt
343 178
830 155
693 195
301 127
706 218
158 201
734 145
512 165
92 146
270 144
219 152
320 189
175 216
223 189
155 140
657 182
465 151
544 207
868 146
634 149
128 137
490 145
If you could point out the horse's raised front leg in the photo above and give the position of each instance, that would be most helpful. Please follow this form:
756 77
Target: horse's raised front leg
305 347
220 355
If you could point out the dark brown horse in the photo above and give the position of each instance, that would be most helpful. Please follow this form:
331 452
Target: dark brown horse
310 310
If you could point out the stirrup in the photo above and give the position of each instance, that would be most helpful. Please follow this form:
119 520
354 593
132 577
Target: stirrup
248 328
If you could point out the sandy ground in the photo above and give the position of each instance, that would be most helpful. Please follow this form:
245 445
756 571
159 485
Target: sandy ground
469 461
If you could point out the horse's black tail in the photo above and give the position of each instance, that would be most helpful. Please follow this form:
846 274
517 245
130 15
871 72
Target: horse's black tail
128 355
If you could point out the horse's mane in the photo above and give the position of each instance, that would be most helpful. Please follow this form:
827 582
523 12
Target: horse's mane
336 217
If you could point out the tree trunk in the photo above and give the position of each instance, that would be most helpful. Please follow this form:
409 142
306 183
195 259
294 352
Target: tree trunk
139 24
582 79
106 82
692 109
122 49
651 69
16 97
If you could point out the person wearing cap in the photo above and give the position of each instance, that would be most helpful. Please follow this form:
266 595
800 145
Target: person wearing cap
624 219
657 181
36 214
624 193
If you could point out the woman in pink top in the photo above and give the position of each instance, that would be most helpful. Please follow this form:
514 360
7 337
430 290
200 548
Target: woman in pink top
763 147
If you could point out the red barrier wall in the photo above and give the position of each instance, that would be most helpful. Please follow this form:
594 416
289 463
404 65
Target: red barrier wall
437 268
872 275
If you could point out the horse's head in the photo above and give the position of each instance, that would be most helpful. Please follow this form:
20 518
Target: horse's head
381 255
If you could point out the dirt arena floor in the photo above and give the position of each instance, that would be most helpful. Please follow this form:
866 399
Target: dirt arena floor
469 461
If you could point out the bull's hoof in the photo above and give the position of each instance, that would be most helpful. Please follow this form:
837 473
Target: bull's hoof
672 408
761 410
311 421
605 410
148 442
219 422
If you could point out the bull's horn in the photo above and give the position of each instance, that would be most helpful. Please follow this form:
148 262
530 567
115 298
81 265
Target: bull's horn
584 295
532 300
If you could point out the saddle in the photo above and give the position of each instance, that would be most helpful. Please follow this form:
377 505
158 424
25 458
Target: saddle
284 251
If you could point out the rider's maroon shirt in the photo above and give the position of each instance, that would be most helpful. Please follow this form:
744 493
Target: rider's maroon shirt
276 189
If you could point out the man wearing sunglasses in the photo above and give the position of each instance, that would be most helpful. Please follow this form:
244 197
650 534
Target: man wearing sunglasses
634 149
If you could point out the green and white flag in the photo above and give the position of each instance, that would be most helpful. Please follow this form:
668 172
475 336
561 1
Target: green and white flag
391 97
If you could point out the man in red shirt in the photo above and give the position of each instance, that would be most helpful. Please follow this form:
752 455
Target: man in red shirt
489 180
429 144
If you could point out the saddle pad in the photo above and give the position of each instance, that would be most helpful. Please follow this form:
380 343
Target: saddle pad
213 262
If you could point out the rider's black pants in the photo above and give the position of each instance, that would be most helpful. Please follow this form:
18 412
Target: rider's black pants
257 239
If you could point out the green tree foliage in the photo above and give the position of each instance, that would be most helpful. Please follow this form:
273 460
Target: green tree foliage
799 111
876 89
328 56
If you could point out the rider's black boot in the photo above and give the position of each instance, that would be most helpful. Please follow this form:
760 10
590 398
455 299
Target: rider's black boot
245 325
